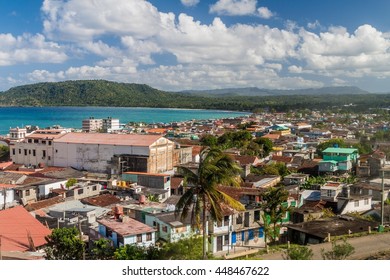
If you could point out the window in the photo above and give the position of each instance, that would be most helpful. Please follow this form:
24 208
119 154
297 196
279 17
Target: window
49 158
239 219
20 151
108 232
27 192
366 201
25 152
35 141
94 188
226 220
34 153
13 152
356 203
149 236
29 140
56 151
43 153
49 143
257 215
29 152
44 142
165 229
80 191
139 238
329 193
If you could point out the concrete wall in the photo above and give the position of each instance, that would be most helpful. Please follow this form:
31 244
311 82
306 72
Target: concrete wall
9 197
32 153
44 190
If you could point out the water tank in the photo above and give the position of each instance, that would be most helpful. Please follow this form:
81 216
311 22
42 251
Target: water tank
142 199
123 183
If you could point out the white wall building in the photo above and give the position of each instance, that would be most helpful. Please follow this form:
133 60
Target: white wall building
95 151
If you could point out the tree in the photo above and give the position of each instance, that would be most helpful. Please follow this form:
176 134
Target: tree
203 196
102 250
209 140
71 182
135 252
64 244
274 207
339 251
265 144
298 253
184 249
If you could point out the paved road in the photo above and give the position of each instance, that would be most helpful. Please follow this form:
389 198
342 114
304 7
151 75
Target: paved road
364 247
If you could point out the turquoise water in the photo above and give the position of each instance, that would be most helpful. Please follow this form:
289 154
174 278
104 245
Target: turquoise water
71 117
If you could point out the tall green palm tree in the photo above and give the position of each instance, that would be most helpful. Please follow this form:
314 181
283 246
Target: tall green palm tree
202 195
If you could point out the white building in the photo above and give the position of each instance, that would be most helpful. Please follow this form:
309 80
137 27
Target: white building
92 124
115 153
36 149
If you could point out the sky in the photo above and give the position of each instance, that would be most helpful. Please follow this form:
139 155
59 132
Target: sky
179 45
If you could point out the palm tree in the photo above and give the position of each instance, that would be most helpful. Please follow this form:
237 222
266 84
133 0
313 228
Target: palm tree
203 196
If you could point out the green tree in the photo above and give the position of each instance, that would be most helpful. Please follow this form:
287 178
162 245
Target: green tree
209 140
275 209
339 251
71 182
135 252
298 253
102 250
4 152
277 168
265 144
64 244
203 196
185 249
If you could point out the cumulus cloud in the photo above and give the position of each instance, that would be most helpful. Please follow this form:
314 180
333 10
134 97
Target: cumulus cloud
29 48
265 13
336 49
234 7
190 3
125 42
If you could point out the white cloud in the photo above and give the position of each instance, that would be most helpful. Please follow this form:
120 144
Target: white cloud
314 25
234 7
189 3
29 48
265 13
361 53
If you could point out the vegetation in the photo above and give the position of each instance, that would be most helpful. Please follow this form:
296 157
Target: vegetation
203 196
275 209
339 251
106 93
4 153
298 253
64 244
102 250
135 252
70 183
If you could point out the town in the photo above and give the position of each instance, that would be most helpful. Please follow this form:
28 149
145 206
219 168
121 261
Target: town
222 188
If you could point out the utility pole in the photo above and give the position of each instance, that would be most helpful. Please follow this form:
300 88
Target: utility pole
381 226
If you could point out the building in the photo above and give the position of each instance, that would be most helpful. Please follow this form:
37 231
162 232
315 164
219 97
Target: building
107 125
36 149
92 124
114 153
338 160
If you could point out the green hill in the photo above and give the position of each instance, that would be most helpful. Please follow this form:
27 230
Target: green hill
92 93
105 93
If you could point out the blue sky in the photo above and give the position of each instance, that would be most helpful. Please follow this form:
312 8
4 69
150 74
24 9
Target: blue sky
197 44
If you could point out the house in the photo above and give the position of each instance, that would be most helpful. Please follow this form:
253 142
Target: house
295 179
347 202
330 191
338 160
246 162
20 231
319 231
125 230
169 227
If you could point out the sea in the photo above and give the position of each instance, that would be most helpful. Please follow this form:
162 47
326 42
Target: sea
71 117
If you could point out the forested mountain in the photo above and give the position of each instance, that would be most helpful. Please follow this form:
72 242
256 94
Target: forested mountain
254 91
106 93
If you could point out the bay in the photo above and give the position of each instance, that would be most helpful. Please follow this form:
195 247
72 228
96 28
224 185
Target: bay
71 117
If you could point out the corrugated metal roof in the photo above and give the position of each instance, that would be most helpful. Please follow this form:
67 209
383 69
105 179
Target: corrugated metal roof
340 150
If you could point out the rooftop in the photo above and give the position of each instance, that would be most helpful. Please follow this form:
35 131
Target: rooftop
109 139
15 226
127 227
340 150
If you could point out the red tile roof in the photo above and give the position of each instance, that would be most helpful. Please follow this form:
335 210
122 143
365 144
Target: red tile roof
101 200
109 139
15 224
